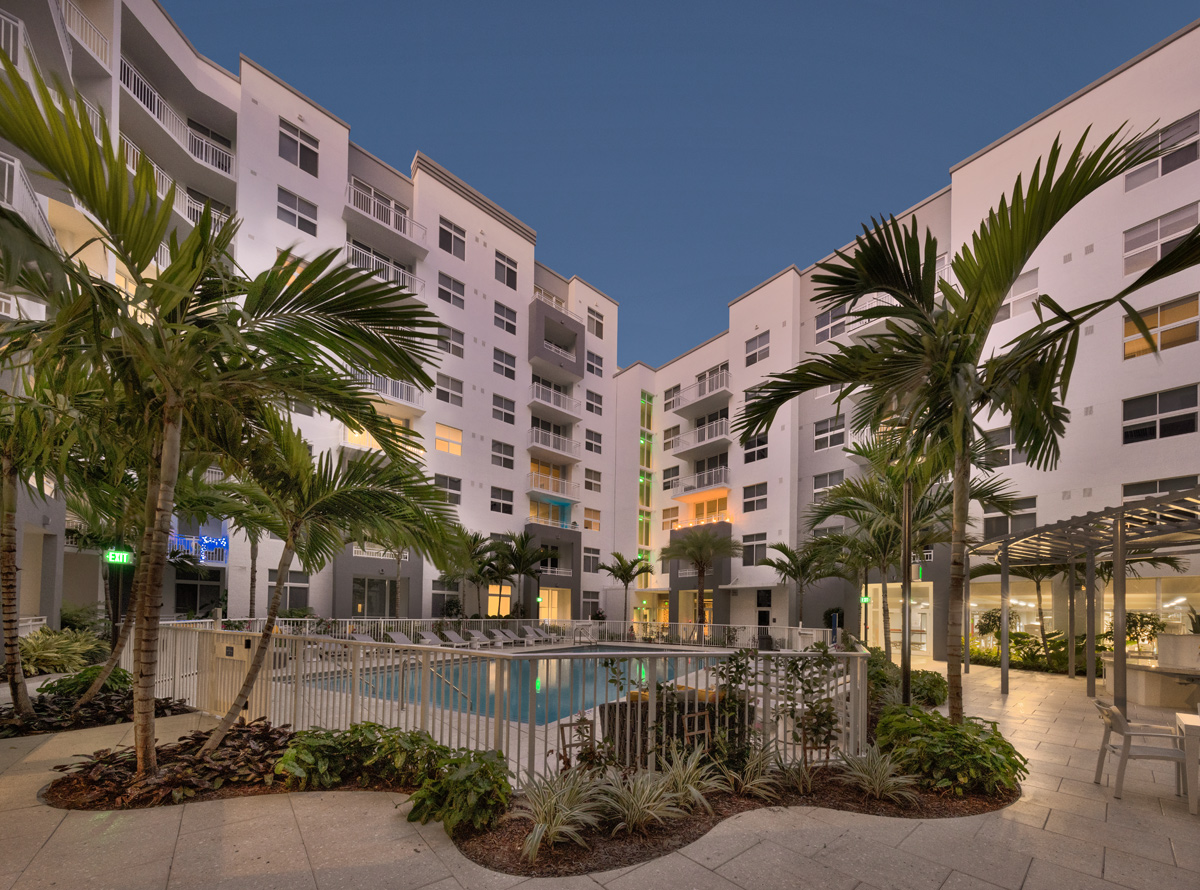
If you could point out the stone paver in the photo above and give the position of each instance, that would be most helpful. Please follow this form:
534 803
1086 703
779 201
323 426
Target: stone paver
1065 833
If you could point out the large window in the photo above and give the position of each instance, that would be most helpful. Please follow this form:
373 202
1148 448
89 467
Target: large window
502 500
591 559
504 409
295 591
506 270
592 441
670 477
595 402
504 363
670 437
295 211
1024 519
758 348
450 487
198 590
822 482
670 518
595 323
1021 298
452 238
1171 324
1149 242
454 341
1006 452
830 432
756 448
451 290
502 454
1180 140
754 549
372 597
505 318
591 519
595 364
671 398
447 439
449 390
1135 491
1159 415
831 323
297 147
591 480
754 497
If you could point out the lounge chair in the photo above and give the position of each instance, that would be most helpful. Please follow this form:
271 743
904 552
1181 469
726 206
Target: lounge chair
540 635
552 634
362 638
400 639
482 639
501 639
429 638
455 640
513 638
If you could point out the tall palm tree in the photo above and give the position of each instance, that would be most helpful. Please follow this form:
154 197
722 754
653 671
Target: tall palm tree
625 571
314 505
803 565
933 371
472 561
198 348
847 556
524 561
701 547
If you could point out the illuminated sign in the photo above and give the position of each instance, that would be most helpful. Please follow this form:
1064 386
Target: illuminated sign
864 599
118 557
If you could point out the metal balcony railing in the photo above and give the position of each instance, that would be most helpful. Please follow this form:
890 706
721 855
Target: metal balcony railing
552 523
718 429
194 210
554 442
395 390
379 553
550 300
717 476
551 396
723 516
204 548
17 194
555 571
553 485
701 388
87 33
558 350
385 270
870 301
384 210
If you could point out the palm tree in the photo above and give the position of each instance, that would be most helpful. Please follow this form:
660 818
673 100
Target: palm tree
314 505
196 347
701 547
524 560
625 571
849 557
801 566
1038 575
472 561
933 371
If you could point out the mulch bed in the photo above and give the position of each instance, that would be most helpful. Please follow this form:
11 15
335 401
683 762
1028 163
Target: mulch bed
53 713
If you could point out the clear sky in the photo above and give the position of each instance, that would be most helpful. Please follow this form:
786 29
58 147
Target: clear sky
675 154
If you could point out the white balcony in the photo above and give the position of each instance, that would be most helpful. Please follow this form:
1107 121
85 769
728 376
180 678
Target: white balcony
550 300
703 395
555 572
205 549
17 194
396 391
373 552
88 35
203 149
545 443
551 488
384 211
552 404
722 516
552 523
384 270
700 486
710 438
555 349
861 326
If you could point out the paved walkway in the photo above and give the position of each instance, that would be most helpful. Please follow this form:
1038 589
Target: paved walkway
1064 833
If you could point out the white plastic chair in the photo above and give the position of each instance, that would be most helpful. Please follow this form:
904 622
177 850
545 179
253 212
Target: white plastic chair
1115 722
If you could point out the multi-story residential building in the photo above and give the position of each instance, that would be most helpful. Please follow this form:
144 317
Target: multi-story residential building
531 424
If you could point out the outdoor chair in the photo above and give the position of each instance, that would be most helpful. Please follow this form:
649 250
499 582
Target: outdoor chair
514 639
482 639
455 640
537 634
362 638
429 638
400 639
500 639
1115 722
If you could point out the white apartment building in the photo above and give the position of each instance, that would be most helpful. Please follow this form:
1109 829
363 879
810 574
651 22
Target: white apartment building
532 424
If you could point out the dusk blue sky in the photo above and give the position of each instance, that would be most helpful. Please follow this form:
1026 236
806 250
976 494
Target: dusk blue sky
674 155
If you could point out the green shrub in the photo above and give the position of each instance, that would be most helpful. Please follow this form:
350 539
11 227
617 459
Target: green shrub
882 673
82 618
636 802
877 776
756 779
47 651
471 787
560 807
120 680
692 777
972 756
365 753
928 688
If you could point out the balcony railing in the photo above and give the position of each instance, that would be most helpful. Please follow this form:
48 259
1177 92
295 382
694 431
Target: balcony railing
384 210
553 397
701 388
553 485
553 523
871 301
214 476
723 516
555 572
547 439
550 300
718 429
194 210
162 181
200 147
379 553
558 350
17 194
204 548
394 390
87 33
384 270
718 476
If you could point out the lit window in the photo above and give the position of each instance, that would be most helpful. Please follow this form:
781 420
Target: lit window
447 439
756 448
502 454
452 238
830 432
1024 519
504 409
754 497
449 486
591 480
449 390
453 343
1149 242
754 549
595 364
295 211
451 290
595 402
1180 140
592 441
1171 324
502 500
504 364
505 319
506 270
670 518
297 147
1159 415
643 528
591 519
595 323
758 348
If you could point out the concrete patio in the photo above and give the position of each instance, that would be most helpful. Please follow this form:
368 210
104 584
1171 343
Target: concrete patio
1064 833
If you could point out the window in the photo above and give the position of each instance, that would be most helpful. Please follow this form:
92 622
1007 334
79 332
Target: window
645 448
504 364
1171 324
830 432
499 600
591 559
449 486
595 364
297 147
591 519
372 597
754 497
756 448
1160 415
643 528
502 454
670 518
1002 441
1023 519
671 398
645 488
1135 491
1180 138
452 238
831 323
451 290
822 482
758 348
295 211
595 324
449 390
453 343
447 439
504 409
505 319
295 591
595 402
506 270
592 441
1149 242
670 477
589 603
671 438
711 511
754 549
827 530
1021 298
591 480
502 500
763 599
647 418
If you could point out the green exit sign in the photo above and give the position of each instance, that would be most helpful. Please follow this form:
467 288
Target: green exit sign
120 557
864 599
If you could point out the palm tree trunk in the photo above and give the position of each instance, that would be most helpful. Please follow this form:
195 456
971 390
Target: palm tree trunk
700 599
887 618
800 603
958 545
253 572
1037 586
150 602
22 707
260 655
625 615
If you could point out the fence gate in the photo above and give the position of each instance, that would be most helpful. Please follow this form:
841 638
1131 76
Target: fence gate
224 659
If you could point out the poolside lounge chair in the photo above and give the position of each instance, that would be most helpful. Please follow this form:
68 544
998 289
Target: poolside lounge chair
514 639
542 636
501 639
554 634
456 641
400 639
362 638
482 639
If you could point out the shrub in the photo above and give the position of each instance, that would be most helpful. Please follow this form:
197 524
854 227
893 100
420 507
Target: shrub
795 776
470 787
877 776
928 688
691 777
636 802
120 680
365 753
972 756
560 807
55 713
82 618
298 612
47 651
988 624
756 779
882 673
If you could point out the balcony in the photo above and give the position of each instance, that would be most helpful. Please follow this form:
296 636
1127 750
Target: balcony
551 523
549 299
360 441
552 489
89 36
860 327
204 548
722 516
185 205
554 572
703 396
545 444
203 149
555 349
701 486
385 215
17 194
375 552
395 391
552 404
701 442
384 270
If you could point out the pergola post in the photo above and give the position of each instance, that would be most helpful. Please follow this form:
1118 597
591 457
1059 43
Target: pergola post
1118 581
1089 599
1071 617
1004 620
966 659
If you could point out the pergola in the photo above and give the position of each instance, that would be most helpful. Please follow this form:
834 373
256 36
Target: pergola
1163 524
